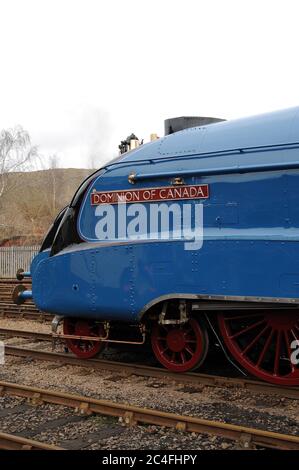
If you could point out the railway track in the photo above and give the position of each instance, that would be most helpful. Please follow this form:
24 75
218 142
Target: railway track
23 312
12 280
35 335
13 442
194 378
29 311
133 415
10 310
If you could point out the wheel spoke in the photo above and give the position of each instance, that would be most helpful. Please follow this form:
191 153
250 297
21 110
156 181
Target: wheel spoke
265 349
241 316
287 341
255 340
277 353
183 357
189 350
294 334
248 328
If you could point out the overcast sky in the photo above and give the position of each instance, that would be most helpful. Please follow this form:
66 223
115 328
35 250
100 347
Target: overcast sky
80 75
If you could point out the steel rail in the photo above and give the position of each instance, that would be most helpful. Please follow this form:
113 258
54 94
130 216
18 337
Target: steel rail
36 335
12 281
13 442
197 379
132 415
8 305
21 313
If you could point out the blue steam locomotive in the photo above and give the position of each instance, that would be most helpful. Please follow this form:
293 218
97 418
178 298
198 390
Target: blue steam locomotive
196 233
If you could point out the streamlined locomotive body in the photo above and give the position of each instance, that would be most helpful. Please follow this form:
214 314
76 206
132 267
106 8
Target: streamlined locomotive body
194 232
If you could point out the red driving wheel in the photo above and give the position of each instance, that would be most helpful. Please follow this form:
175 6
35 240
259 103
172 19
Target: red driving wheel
84 349
263 343
180 348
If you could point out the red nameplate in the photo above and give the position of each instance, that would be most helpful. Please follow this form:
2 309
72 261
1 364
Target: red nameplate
165 193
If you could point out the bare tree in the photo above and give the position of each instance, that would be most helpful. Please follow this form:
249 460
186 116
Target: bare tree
16 154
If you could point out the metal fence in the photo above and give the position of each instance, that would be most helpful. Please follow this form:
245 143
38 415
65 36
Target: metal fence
14 257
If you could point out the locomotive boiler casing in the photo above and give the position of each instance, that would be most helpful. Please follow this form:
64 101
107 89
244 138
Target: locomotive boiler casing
250 226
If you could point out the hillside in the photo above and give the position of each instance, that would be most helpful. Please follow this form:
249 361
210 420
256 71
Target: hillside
32 200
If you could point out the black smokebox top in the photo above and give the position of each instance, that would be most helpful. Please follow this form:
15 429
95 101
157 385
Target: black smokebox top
185 122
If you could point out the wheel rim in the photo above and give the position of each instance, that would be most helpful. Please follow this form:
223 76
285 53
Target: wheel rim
180 347
261 343
83 348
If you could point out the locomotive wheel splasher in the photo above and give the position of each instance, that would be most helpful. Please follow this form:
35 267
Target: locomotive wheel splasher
261 343
180 348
